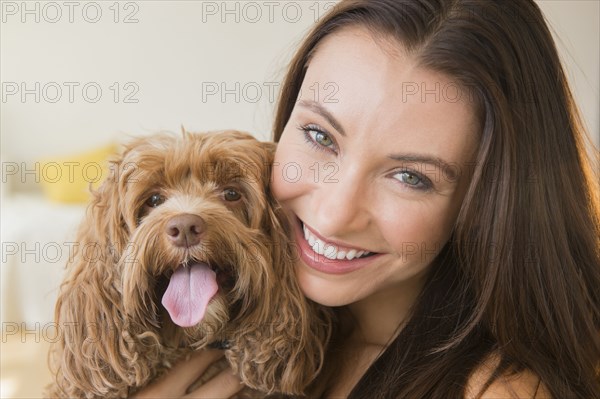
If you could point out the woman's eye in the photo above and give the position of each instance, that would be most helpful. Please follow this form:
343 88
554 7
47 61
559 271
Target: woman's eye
231 194
316 137
321 138
413 180
155 200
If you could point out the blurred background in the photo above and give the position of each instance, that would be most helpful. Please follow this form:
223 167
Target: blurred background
78 78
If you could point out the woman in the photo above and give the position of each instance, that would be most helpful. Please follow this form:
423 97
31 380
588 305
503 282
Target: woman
443 202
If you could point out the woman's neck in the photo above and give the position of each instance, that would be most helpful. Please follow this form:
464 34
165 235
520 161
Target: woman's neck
365 330
377 319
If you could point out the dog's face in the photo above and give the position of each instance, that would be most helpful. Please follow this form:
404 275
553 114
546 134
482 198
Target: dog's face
187 221
183 245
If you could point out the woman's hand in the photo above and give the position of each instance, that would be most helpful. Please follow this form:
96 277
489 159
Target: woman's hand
176 382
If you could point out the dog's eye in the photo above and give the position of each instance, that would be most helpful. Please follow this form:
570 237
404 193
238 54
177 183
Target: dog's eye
155 200
231 194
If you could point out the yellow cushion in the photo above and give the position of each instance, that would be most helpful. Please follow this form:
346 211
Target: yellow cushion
68 179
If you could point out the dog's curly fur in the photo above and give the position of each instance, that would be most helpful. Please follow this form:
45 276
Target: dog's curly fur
115 335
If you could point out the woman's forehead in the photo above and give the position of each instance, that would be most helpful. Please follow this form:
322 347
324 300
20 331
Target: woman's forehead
367 87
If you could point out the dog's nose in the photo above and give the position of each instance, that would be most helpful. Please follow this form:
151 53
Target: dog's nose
185 230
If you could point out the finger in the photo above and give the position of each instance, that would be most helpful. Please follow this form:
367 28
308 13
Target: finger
187 371
178 379
223 385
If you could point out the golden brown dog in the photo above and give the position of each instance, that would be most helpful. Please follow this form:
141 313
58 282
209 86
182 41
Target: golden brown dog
183 246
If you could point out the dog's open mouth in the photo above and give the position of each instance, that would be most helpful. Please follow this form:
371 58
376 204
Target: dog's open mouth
189 290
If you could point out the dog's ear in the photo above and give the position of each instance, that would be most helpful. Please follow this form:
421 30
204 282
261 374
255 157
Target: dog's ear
281 347
95 354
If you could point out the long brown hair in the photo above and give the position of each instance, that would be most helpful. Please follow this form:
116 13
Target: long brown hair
520 276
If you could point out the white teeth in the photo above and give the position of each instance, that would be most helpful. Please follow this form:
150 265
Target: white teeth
320 246
330 251
351 254
316 247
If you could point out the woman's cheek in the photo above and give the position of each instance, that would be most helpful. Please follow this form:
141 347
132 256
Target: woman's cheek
293 170
288 175
415 230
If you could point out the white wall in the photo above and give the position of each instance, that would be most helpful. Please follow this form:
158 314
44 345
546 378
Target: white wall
576 29
174 50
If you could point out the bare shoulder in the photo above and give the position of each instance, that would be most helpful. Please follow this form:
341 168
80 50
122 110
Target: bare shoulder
524 384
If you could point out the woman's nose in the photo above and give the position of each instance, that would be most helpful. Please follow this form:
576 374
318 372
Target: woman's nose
341 206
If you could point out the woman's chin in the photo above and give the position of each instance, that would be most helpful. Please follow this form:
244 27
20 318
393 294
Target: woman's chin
320 289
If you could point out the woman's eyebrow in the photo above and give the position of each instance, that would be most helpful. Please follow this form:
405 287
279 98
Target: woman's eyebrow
319 109
450 172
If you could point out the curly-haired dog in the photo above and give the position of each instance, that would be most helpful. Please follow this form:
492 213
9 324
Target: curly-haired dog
182 247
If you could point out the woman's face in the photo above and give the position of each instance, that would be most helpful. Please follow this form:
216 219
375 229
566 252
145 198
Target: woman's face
372 168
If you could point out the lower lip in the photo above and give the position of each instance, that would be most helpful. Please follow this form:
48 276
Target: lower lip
324 264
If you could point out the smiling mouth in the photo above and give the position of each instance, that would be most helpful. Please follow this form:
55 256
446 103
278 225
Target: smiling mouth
330 258
332 251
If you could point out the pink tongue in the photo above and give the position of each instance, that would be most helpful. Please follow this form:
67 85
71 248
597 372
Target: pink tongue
189 291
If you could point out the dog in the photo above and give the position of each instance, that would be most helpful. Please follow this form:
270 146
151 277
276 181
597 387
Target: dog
183 247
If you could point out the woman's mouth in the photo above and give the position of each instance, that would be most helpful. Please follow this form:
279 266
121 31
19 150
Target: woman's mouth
328 257
330 250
